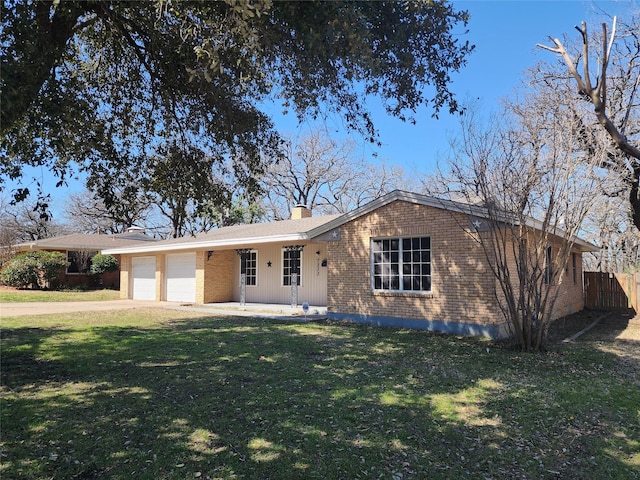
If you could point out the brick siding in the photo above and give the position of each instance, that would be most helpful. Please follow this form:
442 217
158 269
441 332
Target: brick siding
462 284
161 276
125 274
570 295
214 276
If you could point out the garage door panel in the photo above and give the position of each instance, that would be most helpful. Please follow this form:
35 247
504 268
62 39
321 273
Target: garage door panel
181 277
144 278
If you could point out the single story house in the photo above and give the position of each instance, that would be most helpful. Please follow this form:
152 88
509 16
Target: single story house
404 259
80 248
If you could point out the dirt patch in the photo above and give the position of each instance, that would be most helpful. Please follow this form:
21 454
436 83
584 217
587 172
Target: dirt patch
631 331
611 326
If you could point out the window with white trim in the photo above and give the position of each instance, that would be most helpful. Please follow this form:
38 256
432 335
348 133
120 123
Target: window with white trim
401 264
291 263
249 266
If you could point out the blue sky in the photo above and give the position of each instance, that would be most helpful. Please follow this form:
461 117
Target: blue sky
505 34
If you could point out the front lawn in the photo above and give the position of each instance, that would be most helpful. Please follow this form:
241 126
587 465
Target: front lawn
159 394
20 296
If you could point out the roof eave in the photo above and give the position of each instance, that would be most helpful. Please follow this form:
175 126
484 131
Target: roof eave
210 244
33 246
401 195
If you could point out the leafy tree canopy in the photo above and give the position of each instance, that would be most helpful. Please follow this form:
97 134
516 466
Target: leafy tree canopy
99 85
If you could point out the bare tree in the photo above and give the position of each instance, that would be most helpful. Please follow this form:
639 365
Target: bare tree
24 222
614 96
366 182
608 225
85 213
530 190
9 235
325 175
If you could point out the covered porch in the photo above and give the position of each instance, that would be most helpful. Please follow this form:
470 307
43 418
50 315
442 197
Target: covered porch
265 274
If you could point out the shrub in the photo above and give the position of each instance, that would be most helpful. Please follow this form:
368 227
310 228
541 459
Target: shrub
20 272
34 269
51 264
103 263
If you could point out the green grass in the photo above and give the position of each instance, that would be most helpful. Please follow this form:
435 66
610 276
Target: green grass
159 394
21 296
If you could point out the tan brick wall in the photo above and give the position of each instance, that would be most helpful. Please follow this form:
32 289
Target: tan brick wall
462 285
125 272
161 268
214 277
300 211
201 258
570 295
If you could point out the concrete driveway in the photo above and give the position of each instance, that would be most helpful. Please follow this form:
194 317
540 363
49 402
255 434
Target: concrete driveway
282 312
46 308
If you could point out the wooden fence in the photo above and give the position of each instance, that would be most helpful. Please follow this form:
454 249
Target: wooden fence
611 291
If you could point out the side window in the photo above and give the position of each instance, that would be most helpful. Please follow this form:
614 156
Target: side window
401 264
291 263
249 266
386 264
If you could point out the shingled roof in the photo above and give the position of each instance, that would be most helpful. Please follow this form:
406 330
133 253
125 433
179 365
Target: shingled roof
237 236
83 241
242 236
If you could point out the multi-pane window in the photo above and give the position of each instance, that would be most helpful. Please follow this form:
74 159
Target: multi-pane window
79 261
249 266
402 264
291 260
574 261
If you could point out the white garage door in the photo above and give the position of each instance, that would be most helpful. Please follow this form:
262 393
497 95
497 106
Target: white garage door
144 278
181 277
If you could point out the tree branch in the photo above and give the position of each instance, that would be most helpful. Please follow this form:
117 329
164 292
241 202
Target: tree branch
585 55
568 60
597 95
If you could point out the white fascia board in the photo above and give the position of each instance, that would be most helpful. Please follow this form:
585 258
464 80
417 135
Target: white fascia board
586 246
208 245
563 235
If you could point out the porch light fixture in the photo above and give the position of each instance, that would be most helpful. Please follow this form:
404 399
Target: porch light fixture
209 253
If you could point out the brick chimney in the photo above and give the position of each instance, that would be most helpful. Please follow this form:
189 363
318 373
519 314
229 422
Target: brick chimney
300 211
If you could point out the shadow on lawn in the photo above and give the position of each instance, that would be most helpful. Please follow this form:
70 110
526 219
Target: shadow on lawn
226 398
610 325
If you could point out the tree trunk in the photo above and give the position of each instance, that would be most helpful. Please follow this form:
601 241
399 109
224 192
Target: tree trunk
634 197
